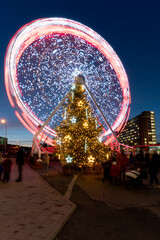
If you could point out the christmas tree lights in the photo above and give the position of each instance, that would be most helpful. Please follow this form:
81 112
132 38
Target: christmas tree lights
79 131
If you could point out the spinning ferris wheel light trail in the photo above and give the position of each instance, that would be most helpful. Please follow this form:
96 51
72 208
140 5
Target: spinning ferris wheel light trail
41 62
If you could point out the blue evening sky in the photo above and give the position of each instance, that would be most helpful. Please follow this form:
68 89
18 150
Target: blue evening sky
132 28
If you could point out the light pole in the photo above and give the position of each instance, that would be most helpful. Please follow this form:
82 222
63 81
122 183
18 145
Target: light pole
3 121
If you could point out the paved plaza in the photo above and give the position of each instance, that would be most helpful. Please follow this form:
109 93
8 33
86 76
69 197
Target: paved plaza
119 197
31 209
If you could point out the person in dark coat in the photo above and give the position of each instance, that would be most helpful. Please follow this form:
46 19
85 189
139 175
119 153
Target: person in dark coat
132 160
7 163
140 158
1 168
20 163
153 168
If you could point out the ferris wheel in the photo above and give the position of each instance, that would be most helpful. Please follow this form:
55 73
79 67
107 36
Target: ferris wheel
41 63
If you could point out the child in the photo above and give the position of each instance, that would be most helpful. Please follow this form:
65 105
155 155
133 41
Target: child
7 163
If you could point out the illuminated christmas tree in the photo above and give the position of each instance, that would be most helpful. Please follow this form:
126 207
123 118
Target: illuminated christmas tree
78 133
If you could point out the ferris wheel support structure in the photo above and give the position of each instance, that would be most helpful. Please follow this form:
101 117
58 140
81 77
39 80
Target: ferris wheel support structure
109 126
43 126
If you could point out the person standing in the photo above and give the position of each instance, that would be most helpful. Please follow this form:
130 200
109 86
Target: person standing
45 159
7 163
153 168
20 163
1 168
132 161
122 161
114 172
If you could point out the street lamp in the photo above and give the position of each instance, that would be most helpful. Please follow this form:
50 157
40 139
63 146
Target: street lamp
3 121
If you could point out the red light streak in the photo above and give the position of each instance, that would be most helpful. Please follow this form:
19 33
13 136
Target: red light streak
38 28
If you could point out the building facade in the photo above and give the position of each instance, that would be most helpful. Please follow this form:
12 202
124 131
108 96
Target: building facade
140 130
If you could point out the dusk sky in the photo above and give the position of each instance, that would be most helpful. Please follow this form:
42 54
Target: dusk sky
132 28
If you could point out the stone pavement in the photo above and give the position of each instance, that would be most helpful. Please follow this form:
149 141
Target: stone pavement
31 209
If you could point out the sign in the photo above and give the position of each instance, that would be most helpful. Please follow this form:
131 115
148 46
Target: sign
2 140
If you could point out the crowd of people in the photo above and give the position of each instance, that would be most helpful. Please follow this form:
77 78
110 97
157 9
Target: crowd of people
115 168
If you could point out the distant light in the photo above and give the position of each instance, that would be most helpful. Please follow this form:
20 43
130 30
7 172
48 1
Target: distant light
3 121
59 142
67 137
73 87
91 159
85 124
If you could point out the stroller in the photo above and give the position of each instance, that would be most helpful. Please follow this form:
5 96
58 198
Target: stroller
134 178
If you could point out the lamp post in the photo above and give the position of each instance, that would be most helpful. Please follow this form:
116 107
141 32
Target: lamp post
3 121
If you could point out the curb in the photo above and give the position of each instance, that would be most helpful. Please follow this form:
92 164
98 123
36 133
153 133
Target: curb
64 219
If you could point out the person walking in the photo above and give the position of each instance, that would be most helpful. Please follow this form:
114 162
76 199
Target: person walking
45 159
20 163
7 163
